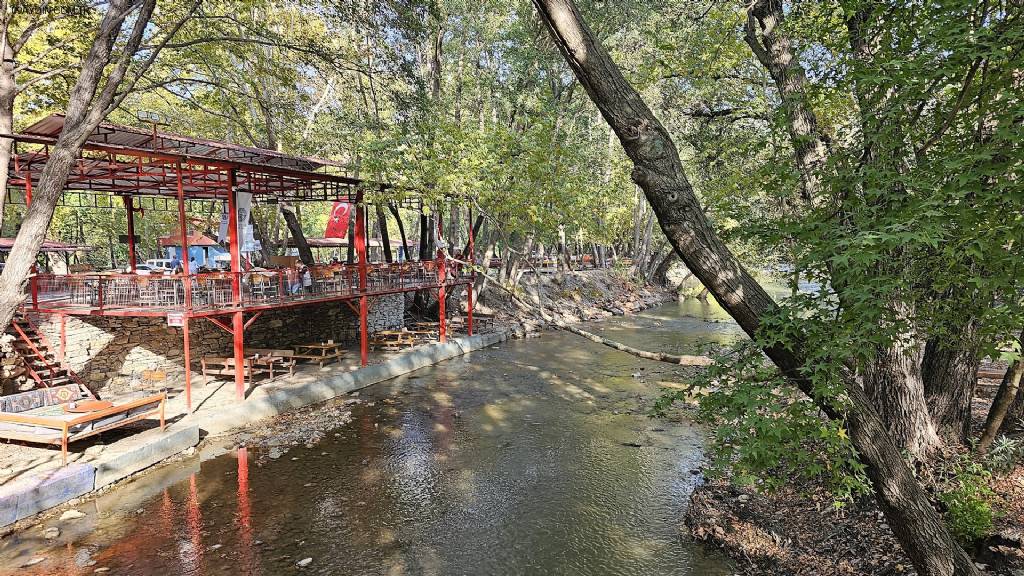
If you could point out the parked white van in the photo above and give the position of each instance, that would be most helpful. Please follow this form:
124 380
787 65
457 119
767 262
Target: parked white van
159 264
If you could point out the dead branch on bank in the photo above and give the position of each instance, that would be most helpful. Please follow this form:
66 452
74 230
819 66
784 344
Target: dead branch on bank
681 360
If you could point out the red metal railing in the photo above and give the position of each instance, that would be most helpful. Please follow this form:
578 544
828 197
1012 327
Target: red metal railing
213 290
46 345
28 366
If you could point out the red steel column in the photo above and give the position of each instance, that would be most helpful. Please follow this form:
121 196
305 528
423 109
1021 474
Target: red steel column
188 364
360 239
129 205
63 341
183 231
441 292
471 258
237 324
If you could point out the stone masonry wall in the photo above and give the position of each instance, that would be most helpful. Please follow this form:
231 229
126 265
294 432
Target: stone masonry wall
116 355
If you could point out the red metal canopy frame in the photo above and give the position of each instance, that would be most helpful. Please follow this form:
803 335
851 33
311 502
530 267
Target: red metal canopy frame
134 164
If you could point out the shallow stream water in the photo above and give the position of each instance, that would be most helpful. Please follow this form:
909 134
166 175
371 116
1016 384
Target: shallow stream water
532 457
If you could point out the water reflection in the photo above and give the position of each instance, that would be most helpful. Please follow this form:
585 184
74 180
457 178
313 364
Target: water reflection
515 460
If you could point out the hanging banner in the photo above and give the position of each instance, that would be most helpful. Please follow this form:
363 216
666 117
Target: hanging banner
243 207
222 231
249 242
337 223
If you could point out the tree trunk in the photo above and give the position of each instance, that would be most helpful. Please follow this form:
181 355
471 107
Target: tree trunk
385 240
257 232
88 105
425 236
950 372
401 230
477 223
1008 391
892 379
660 276
564 263
8 92
298 238
658 170
775 52
350 250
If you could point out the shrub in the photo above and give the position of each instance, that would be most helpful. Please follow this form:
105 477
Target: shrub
969 512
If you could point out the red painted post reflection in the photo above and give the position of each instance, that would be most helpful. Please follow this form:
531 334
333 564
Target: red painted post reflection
247 555
192 557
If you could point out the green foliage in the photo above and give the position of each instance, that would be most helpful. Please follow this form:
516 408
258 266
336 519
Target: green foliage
1004 455
969 512
764 433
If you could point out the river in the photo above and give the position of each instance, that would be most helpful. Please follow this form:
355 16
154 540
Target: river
532 457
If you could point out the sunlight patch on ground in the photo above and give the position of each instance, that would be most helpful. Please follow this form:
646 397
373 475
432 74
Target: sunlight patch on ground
441 398
495 413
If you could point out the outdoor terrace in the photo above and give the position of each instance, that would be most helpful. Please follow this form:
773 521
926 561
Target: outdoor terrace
211 293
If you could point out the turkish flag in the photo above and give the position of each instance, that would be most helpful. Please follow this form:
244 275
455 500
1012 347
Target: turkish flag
337 224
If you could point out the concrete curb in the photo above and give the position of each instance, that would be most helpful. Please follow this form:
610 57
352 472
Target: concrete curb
35 493
142 451
266 402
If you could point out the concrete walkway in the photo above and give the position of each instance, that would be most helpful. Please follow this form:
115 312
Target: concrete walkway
33 480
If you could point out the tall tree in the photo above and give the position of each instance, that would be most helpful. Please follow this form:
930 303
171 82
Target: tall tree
105 78
659 172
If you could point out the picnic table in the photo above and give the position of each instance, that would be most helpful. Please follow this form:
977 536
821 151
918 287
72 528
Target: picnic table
319 352
393 339
271 359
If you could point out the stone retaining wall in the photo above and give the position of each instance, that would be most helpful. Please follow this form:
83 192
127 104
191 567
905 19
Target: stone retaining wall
115 354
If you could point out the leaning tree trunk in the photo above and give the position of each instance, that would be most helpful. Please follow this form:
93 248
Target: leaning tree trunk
298 237
660 276
774 51
8 91
401 230
659 171
950 370
385 240
1015 414
1008 390
88 105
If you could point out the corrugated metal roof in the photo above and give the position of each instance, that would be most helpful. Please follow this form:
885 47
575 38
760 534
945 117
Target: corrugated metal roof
48 246
196 239
131 137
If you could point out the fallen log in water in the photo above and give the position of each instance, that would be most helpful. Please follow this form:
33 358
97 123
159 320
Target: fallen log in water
682 360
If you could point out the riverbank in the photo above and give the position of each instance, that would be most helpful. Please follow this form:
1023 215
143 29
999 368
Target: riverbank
572 297
539 450
797 531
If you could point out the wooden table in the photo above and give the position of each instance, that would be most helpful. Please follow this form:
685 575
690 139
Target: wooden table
319 352
392 339
423 335
267 363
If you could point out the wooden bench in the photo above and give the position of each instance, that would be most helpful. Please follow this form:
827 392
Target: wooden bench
62 414
279 360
